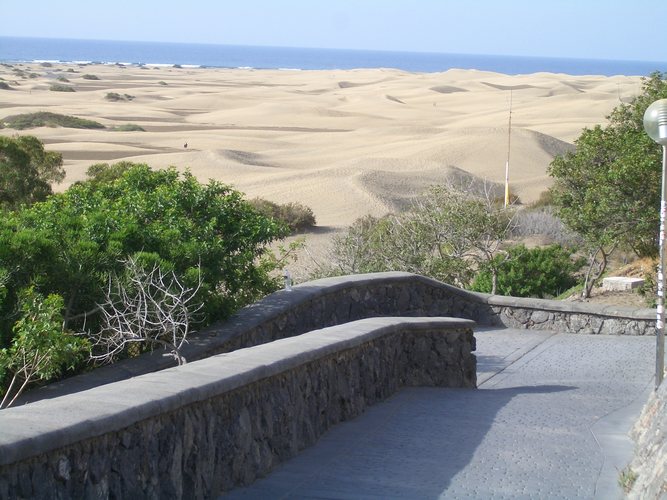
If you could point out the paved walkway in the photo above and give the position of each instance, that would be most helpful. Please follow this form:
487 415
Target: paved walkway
549 420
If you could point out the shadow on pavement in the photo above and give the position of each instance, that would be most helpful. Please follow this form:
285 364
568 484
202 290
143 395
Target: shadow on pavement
410 446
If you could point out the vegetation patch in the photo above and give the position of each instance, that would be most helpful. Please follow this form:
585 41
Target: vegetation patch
88 76
58 87
48 119
162 82
62 79
627 478
88 260
115 96
5 86
295 216
128 127
529 272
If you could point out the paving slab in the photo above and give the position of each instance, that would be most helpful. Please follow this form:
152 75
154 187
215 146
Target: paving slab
549 420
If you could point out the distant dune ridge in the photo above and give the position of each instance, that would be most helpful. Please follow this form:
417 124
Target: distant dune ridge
346 143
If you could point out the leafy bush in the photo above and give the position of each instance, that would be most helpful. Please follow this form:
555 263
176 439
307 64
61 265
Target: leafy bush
101 173
62 79
537 272
56 87
162 82
70 244
89 77
48 119
295 216
40 349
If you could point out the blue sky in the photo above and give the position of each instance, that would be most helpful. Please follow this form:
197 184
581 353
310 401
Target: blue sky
598 29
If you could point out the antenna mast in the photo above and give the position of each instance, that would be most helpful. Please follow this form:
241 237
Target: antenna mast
507 164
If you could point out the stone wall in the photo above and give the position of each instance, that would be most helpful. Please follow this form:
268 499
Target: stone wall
199 429
334 301
648 468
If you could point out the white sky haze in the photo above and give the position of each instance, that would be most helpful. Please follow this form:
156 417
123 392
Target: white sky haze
595 29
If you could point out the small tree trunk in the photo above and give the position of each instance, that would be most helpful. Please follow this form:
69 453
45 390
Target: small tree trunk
596 269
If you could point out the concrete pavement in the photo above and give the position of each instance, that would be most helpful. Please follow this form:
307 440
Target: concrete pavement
549 420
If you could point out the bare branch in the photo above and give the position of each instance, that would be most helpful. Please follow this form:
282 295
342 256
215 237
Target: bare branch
146 307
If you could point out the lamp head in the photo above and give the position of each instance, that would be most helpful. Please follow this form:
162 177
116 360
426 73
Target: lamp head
655 121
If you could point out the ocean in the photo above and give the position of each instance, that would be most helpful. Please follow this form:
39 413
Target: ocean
13 49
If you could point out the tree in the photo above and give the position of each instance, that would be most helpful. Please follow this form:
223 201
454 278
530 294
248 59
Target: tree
41 349
466 227
446 235
26 171
608 190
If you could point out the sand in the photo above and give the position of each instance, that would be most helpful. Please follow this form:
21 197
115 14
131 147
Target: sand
345 143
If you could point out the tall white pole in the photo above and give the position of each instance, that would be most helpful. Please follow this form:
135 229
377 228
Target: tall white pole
507 163
660 321
655 125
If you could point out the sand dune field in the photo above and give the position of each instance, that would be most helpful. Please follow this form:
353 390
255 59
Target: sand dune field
345 143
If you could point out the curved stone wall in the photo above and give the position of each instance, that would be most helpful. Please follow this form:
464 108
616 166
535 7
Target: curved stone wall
196 430
333 301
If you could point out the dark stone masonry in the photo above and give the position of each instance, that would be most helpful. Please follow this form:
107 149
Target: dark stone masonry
262 386
203 428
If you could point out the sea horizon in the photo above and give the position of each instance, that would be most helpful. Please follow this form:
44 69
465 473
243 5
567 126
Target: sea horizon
79 51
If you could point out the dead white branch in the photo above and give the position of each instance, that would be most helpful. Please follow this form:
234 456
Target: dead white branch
147 307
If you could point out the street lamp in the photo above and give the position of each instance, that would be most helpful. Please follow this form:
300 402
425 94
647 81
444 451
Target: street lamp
655 124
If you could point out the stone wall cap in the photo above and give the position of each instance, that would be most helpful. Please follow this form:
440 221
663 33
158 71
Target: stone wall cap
31 429
572 307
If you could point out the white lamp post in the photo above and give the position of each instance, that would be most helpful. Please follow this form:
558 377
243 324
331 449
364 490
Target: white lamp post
655 124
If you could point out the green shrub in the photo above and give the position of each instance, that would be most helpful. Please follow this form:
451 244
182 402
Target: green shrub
57 87
48 119
101 173
41 349
537 272
162 82
115 96
89 77
74 241
129 127
295 216
62 79
298 217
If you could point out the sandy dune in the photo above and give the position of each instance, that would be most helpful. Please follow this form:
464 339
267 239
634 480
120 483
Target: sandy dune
345 143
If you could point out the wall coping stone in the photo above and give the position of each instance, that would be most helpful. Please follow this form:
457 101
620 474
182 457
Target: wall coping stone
31 430
571 307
